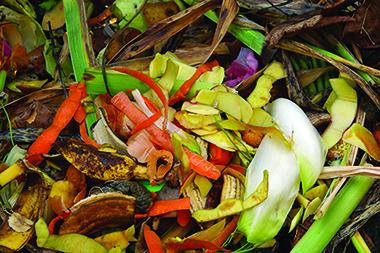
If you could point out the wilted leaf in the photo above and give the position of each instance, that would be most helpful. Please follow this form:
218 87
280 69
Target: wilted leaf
19 223
295 91
162 30
308 76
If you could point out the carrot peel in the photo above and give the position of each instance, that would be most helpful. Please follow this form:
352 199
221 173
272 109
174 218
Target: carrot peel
152 240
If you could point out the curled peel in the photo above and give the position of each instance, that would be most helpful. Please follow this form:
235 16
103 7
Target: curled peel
99 164
97 212
30 205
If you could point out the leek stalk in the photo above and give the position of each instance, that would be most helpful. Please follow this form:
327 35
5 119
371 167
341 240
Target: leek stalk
323 230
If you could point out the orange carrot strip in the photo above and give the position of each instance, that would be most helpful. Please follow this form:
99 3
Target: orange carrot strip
62 118
158 136
160 207
227 231
151 84
201 166
152 240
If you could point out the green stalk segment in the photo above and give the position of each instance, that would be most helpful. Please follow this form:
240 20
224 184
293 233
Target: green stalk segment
345 53
3 77
323 230
359 243
253 39
77 37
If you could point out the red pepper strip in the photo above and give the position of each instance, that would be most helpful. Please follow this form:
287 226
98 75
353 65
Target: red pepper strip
54 221
186 86
183 217
80 116
124 104
152 240
201 166
62 118
160 207
140 215
151 105
146 123
151 83
190 244
218 155
85 137
227 231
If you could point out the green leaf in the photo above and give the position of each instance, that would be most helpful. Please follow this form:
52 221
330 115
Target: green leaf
50 62
126 10
48 4
253 39
22 6
77 34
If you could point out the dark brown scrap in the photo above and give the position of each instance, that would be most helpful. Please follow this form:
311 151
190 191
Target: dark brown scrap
98 212
99 164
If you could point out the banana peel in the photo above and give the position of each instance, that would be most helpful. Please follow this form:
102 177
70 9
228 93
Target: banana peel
100 164
100 211
29 205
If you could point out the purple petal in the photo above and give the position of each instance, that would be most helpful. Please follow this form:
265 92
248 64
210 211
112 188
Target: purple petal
242 67
6 47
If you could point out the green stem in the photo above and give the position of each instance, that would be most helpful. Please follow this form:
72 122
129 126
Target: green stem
253 39
77 35
345 53
9 123
3 77
359 243
323 230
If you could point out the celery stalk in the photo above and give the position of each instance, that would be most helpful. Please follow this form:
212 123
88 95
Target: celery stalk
323 230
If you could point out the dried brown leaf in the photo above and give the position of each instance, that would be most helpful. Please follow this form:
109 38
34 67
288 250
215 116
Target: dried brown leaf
162 30
364 30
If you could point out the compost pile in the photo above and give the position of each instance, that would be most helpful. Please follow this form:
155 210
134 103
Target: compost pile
189 126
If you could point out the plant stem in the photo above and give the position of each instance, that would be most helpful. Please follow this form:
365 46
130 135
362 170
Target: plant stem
359 243
323 230
3 77
77 33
